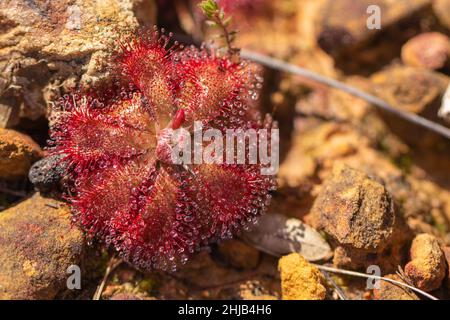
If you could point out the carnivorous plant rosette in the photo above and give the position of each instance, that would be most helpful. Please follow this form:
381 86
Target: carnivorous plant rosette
125 189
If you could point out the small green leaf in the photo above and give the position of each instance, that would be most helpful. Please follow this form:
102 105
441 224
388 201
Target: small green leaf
209 8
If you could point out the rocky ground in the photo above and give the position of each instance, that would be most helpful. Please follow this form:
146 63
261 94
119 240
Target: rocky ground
375 187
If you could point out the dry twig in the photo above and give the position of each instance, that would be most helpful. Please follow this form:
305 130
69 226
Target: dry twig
112 265
290 68
369 276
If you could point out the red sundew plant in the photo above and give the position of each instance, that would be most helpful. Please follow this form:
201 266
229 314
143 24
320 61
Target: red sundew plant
124 189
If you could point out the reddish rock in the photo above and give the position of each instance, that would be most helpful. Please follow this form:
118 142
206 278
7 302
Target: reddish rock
429 50
427 268
37 245
17 154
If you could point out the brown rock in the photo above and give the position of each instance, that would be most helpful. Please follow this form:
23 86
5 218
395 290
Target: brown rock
73 40
389 291
300 280
344 23
388 260
326 144
413 90
446 251
409 89
429 50
427 268
355 210
37 245
17 154
239 255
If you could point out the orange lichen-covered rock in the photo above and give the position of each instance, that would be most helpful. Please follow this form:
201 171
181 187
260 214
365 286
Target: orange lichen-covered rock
430 50
426 270
300 280
17 153
37 245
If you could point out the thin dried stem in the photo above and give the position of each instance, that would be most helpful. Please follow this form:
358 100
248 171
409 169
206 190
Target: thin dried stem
290 68
112 265
228 40
341 294
369 276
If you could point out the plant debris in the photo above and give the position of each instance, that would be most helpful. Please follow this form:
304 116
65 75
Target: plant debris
279 235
